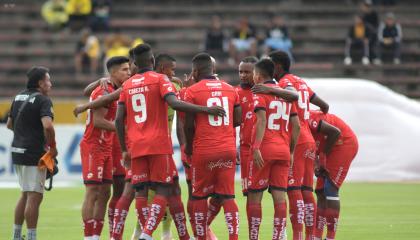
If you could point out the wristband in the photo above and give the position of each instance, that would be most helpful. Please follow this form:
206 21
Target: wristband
256 145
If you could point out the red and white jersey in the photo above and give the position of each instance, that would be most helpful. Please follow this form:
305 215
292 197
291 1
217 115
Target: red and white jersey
213 133
317 117
248 116
276 140
302 106
97 136
147 113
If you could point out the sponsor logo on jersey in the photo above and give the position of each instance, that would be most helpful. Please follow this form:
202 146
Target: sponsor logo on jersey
220 164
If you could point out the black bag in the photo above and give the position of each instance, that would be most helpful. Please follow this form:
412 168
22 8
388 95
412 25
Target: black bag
51 175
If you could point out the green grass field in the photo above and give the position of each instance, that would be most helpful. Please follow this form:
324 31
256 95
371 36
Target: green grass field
369 211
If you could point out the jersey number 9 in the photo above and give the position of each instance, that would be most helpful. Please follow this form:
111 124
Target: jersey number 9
138 101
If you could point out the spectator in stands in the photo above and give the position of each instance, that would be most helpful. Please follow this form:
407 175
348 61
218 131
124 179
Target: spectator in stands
277 37
243 42
99 21
215 37
389 36
357 37
79 12
370 17
54 13
88 52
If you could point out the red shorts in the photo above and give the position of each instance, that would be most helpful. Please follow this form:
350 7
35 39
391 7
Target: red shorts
273 174
338 164
153 169
96 165
213 174
304 157
128 174
245 155
117 168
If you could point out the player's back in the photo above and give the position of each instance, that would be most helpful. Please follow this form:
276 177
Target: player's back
305 94
213 133
93 135
147 113
276 140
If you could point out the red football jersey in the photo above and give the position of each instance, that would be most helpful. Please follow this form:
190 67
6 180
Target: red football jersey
97 136
147 113
276 140
213 133
248 116
302 106
315 120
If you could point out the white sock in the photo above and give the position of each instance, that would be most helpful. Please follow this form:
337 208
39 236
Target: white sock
146 236
17 232
95 237
31 234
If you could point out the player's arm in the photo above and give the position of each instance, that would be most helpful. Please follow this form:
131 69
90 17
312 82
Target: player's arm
237 116
260 131
9 123
332 133
89 88
288 94
189 131
97 103
180 130
182 106
99 120
120 126
49 133
320 103
294 121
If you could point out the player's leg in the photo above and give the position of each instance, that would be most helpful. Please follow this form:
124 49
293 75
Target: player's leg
117 190
224 188
91 193
32 212
121 210
294 192
278 187
19 216
332 211
140 180
307 191
176 208
320 220
215 204
161 175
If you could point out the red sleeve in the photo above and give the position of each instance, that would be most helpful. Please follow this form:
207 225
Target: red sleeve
189 96
166 87
259 102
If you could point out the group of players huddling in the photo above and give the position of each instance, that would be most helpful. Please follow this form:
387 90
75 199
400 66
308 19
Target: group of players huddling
283 144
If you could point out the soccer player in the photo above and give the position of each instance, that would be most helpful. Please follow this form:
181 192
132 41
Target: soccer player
211 142
337 146
302 205
272 150
143 107
96 153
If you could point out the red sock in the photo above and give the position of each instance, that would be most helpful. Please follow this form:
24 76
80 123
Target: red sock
178 214
321 221
310 213
156 213
332 222
254 220
97 227
213 210
111 211
232 218
297 213
280 215
121 211
88 227
199 218
142 210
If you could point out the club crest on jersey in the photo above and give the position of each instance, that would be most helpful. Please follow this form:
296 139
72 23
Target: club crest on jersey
314 124
244 100
248 115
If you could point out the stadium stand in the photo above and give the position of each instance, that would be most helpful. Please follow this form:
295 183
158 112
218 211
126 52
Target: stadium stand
317 28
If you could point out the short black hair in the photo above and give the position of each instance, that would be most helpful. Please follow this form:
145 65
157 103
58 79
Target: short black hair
115 61
163 57
282 58
250 59
142 54
35 74
265 67
203 62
